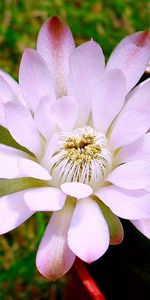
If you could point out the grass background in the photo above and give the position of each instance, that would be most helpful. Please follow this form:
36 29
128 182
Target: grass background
107 22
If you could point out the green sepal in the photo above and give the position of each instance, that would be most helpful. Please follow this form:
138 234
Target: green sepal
9 186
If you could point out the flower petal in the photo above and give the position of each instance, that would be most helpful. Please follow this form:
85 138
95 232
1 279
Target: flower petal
132 175
14 92
9 162
138 150
108 98
88 235
76 189
55 43
54 258
86 68
13 212
143 226
45 199
35 78
126 204
43 119
21 126
6 93
131 56
122 134
33 169
64 112
138 98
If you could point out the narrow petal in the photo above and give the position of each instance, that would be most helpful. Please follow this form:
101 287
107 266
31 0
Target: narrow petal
114 224
123 134
131 56
45 199
35 79
138 98
88 235
86 68
21 126
13 212
138 150
43 119
54 258
108 98
76 189
132 175
64 112
143 226
14 89
55 43
124 203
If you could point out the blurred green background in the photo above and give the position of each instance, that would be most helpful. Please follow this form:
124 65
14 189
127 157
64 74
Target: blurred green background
107 22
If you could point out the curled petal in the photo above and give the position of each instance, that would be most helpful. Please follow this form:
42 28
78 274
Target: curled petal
54 258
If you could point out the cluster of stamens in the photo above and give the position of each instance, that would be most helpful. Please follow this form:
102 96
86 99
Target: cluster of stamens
82 156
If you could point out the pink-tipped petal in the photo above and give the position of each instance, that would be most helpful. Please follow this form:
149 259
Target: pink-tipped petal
54 258
13 212
88 235
132 175
55 43
64 112
138 150
15 93
86 68
76 189
35 79
6 93
143 226
21 126
30 168
131 56
45 199
126 204
108 98
126 128
43 120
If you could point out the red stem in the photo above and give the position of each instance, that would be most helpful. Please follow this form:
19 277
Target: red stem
87 280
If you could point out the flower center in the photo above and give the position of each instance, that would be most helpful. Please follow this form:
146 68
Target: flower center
82 156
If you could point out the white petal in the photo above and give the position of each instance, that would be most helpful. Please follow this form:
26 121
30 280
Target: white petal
35 78
76 189
21 126
126 128
88 235
108 98
143 226
126 203
54 258
31 168
13 212
43 119
45 199
64 112
132 175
